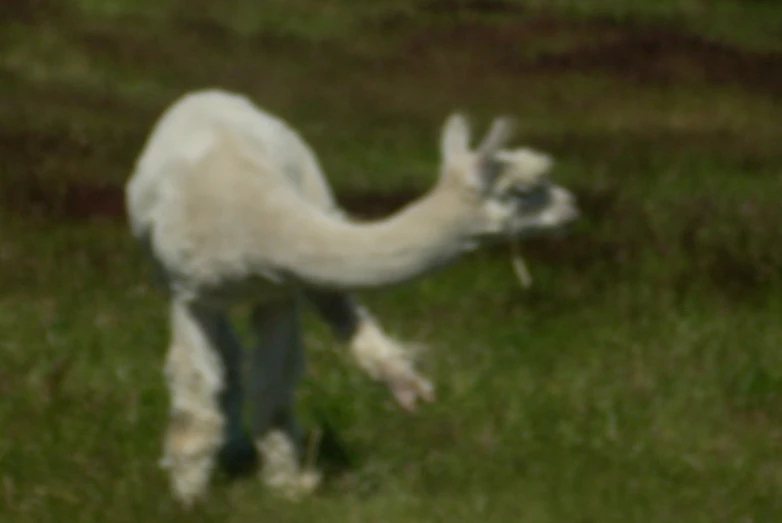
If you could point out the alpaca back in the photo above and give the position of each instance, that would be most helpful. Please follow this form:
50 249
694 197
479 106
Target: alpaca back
194 126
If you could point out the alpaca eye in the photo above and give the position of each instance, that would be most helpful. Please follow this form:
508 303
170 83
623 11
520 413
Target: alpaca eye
521 190
530 197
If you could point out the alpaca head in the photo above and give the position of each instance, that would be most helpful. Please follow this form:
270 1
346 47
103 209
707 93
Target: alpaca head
509 189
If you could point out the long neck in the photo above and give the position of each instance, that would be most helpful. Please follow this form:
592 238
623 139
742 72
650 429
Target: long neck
335 253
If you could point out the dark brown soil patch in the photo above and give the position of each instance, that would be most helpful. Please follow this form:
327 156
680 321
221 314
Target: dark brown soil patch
44 166
449 8
67 202
29 148
32 11
642 52
371 205
663 57
521 45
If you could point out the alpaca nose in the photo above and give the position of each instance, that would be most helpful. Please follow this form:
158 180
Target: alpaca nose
567 202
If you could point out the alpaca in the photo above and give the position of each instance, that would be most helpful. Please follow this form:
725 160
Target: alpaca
231 205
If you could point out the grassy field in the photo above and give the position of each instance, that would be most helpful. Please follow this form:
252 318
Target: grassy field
639 380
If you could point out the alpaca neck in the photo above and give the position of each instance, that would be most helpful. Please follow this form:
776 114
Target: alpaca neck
422 237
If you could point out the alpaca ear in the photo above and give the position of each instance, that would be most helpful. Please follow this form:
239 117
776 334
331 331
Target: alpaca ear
455 138
499 135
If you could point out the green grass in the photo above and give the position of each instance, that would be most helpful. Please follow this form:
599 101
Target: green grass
639 380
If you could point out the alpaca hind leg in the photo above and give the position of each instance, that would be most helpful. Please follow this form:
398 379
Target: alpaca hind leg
276 368
196 378
237 455
379 355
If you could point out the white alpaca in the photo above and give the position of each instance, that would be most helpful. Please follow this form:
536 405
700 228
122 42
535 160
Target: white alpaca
233 207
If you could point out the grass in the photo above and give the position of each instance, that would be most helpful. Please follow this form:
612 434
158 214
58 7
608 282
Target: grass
639 380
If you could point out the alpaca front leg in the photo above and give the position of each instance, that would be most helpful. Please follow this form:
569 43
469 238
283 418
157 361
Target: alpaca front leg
196 378
276 368
382 357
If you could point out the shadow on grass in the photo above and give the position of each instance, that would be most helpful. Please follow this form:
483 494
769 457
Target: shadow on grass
332 457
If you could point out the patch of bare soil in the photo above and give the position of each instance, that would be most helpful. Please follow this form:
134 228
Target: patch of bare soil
69 202
371 205
60 156
31 11
645 53
521 44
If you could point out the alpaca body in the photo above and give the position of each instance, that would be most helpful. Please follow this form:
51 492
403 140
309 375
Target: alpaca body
207 207
232 206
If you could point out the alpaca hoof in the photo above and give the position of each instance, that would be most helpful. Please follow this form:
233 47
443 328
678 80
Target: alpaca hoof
408 387
188 477
306 483
188 490
281 470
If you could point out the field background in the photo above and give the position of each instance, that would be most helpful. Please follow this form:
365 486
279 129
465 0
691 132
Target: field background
639 380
